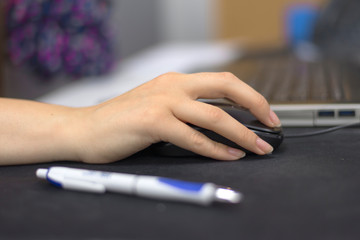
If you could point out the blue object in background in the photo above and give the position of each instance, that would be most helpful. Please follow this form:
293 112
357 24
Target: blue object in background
300 22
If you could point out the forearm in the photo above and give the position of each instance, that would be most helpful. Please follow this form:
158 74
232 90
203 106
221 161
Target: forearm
33 132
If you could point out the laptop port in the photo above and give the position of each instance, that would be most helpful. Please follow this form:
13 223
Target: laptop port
326 113
347 113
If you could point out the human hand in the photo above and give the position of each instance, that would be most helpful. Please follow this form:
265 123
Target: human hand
159 110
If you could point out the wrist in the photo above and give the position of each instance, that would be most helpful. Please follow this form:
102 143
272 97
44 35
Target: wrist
71 133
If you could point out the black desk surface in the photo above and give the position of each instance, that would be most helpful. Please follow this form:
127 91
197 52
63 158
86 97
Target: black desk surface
308 189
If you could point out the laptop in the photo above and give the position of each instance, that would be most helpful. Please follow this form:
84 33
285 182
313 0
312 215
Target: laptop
314 82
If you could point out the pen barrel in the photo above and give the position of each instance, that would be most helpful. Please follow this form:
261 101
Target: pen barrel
142 186
175 190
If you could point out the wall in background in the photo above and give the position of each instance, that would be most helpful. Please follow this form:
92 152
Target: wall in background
136 25
141 24
186 20
144 23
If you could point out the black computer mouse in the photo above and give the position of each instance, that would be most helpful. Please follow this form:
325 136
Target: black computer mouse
272 135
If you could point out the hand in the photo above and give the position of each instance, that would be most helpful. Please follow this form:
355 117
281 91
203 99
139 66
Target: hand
159 110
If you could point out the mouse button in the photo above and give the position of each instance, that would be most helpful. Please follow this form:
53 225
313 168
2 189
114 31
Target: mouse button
240 114
247 119
258 126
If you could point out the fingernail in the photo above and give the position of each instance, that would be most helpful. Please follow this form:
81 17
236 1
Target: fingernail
236 152
264 146
274 119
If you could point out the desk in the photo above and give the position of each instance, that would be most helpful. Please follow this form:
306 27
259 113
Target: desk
307 189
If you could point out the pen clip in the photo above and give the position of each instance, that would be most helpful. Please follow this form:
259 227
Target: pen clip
81 185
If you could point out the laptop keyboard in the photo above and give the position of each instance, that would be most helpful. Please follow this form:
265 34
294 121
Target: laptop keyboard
288 79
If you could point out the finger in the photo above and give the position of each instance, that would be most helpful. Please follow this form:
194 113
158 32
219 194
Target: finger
227 85
215 119
188 138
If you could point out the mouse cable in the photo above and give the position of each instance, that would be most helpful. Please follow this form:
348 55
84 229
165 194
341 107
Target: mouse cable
315 133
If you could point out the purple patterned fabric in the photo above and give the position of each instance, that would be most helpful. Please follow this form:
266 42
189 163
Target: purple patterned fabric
60 36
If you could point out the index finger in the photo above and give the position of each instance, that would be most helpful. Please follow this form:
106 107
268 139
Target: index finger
227 85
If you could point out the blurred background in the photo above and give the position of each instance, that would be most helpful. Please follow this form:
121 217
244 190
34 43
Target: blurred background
48 43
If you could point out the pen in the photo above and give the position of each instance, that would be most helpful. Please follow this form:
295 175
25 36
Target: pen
139 185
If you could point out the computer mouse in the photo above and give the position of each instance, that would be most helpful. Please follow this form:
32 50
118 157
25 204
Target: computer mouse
272 135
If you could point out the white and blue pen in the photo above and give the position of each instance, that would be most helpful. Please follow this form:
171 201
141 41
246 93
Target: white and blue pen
139 185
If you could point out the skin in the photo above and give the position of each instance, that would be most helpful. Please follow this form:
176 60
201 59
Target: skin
34 132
